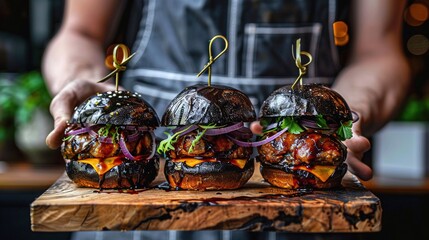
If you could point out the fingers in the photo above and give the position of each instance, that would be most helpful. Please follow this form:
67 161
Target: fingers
256 127
358 168
60 108
65 101
357 146
54 138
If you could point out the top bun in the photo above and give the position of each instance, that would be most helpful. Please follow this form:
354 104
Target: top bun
306 100
116 108
215 104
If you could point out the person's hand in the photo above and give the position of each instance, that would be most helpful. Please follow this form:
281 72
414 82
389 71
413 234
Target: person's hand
356 147
63 104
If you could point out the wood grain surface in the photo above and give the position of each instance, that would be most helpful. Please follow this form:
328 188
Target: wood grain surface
255 207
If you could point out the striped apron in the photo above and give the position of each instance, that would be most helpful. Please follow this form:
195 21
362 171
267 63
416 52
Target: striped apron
171 39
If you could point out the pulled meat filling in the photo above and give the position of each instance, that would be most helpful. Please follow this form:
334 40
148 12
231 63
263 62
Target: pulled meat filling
83 146
219 146
303 149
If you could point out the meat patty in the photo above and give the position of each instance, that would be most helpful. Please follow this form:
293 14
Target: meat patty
219 146
85 145
303 149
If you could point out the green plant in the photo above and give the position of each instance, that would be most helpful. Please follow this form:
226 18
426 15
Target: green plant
415 109
19 99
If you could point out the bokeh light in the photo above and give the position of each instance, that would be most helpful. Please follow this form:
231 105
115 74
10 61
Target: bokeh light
418 44
341 36
419 12
416 14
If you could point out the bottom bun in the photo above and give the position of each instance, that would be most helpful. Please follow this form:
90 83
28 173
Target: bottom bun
130 174
301 179
208 175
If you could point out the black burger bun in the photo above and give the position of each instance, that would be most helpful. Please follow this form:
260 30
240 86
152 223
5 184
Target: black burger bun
208 175
278 176
306 100
116 108
128 175
215 104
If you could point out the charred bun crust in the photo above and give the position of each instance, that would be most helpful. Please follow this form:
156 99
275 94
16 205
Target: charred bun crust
116 108
208 175
306 100
278 177
215 104
130 174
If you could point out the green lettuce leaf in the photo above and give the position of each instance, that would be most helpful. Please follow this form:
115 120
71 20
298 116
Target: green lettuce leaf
345 131
292 125
321 122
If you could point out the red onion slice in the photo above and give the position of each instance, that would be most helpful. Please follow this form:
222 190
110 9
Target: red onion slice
269 139
271 126
86 129
125 150
225 130
131 127
93 133
127 153
105 140
137 128
258 143
309 123
143 129
355 116
209 132
78 131
133 137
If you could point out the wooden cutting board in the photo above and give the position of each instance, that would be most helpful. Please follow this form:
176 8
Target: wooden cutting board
255 207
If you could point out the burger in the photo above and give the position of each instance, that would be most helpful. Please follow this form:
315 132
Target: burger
201 152
303 129
109 142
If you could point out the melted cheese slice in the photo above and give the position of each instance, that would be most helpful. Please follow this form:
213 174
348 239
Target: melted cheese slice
102 165
192 162
239 162
321 172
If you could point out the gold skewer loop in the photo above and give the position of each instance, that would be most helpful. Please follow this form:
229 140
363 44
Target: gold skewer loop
301 67
211 59
119 66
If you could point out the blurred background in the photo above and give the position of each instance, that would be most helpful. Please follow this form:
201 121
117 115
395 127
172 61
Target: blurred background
28 168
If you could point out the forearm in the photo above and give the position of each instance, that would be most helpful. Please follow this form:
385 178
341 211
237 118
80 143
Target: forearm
77 51
72 56
375 87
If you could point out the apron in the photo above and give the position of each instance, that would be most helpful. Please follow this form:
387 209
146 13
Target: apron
171 41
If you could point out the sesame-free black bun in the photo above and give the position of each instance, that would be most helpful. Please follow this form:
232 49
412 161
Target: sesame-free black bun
202 104
283 177
208 175
306 100
116 108
128 175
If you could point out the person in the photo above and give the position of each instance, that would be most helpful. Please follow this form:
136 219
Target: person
170 39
